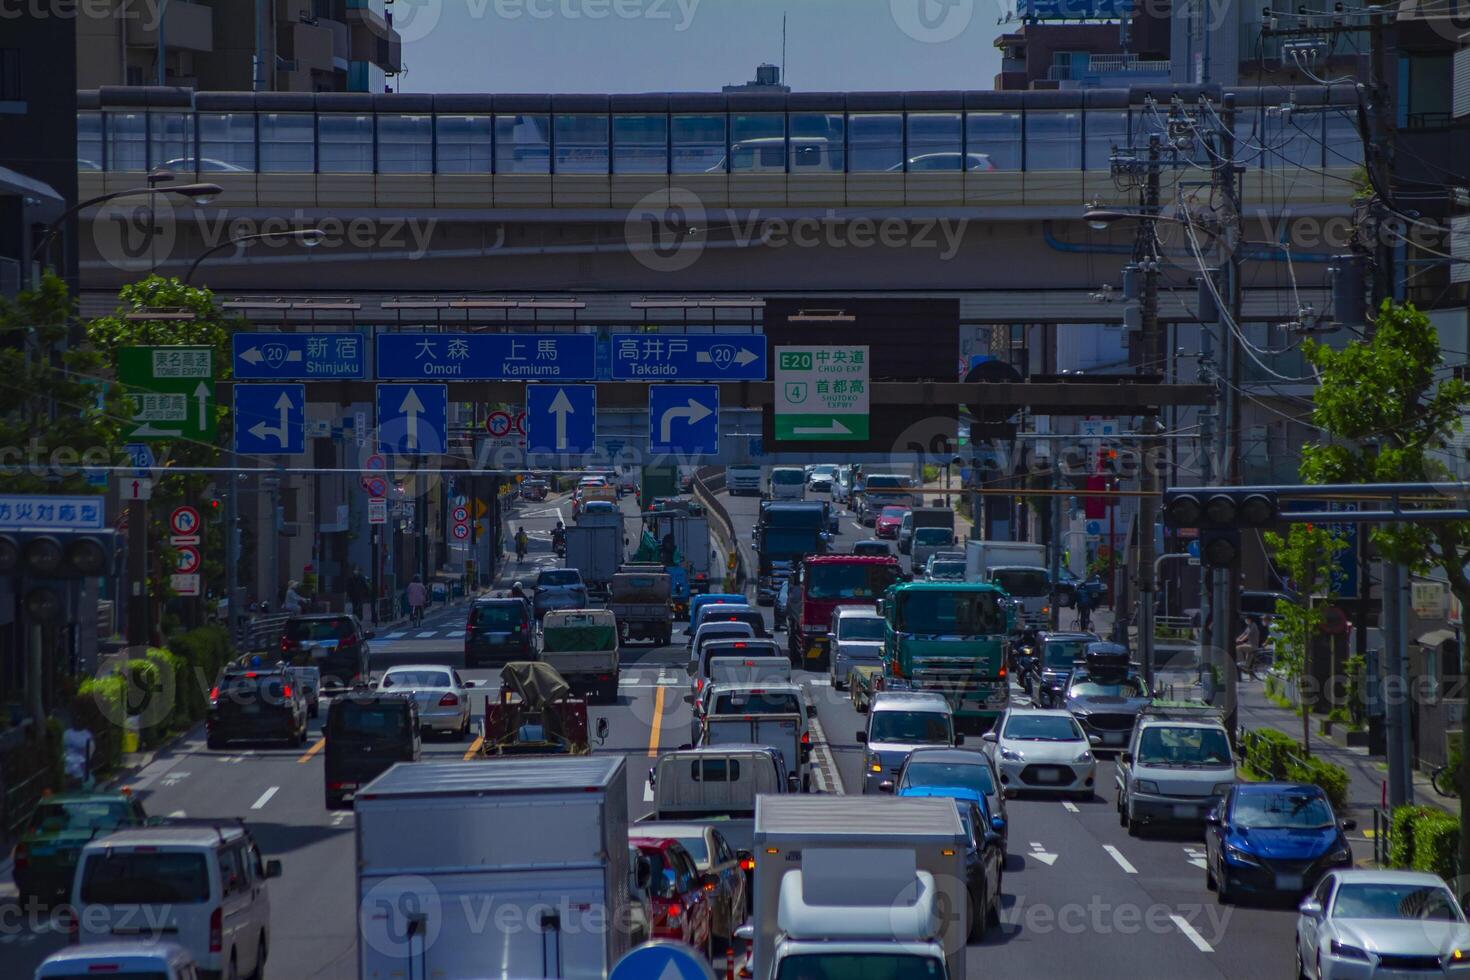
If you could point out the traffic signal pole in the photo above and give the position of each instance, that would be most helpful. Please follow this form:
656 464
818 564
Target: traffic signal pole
138 574
1150 347
232 552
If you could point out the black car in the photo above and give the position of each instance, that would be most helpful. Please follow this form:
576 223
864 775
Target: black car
1106 696
500 629
984 867
334 642
939 765
367 733
1047 663
256 703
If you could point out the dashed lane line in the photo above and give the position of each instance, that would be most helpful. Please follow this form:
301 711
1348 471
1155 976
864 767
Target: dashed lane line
1192 934
265 798
1070 807
1123 862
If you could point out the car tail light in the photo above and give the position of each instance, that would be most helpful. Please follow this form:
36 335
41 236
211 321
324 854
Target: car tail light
699 685
448 701
214 693
673 910
806 738
285 644
216 929
1002 670
286 691
747 864
22 857
709 886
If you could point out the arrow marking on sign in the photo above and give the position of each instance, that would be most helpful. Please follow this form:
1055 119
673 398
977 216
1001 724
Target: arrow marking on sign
835 429
253 355
693 413
411 408
201 395
561 407
146 429
282 433
742 358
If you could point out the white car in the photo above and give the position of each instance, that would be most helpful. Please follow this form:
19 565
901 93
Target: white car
442 695
142 961
1042 750
1381 924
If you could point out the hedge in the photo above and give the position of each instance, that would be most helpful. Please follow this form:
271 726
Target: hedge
1332 778
1424 838
1270 754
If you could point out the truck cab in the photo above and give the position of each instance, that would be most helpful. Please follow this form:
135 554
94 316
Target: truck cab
1177 767
786 533
822 585
787 483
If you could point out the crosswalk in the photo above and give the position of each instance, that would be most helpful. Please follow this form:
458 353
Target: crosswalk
631 680
414 633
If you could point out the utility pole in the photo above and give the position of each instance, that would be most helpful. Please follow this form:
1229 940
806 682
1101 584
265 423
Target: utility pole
138 626
1056 531
1227 597
1145 254
232 550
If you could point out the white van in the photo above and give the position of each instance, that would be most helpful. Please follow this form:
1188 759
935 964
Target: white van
787 483
201 884
146 961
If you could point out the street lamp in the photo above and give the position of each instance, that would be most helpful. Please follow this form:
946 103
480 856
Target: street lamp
309 237
196 193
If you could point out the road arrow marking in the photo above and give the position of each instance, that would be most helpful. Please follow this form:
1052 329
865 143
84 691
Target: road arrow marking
693 413
1042 855
835 429
561 407
201 395
1196 856
411 408
1070 807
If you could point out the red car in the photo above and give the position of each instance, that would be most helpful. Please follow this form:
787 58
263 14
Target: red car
681 903
889 519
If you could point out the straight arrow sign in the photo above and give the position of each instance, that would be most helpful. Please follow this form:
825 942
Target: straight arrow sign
412 408
561 407
202 394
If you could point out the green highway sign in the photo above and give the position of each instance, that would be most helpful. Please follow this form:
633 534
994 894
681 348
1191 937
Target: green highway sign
821 394
172 390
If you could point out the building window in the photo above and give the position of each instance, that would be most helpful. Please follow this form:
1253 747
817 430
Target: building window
89 141
127 141
816 142
1430 84
346 143
640 144
10 75
287 143
758 142
1105 130
875 142
226 141
405 144
935 142
995 137
699 143
581 144
522 144
463 144
1069 66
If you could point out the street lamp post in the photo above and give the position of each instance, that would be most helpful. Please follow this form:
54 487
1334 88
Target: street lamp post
309 237
197 193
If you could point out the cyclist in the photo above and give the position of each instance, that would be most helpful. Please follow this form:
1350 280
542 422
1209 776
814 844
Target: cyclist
522 541
418 597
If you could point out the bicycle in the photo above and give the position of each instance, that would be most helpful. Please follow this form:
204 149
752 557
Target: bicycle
416 615
1443 781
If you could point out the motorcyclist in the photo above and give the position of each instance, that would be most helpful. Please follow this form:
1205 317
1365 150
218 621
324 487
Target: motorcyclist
559 537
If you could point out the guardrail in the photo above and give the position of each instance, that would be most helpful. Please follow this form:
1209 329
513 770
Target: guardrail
709 481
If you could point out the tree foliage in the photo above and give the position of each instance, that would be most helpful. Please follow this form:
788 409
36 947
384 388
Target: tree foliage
1306 555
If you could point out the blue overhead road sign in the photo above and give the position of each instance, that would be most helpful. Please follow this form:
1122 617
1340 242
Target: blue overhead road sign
300 356
661 959
488 357
684 419
270 419
413 420
688 357
561 418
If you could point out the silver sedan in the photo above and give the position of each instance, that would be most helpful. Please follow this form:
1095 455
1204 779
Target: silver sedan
1381 924
442 695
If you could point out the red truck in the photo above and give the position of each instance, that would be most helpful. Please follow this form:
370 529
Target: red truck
822 583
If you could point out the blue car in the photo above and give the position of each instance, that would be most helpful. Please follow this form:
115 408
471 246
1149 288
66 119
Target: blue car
695 602
1273 839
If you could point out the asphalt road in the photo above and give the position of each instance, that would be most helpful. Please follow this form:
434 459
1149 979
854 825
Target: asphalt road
1080 897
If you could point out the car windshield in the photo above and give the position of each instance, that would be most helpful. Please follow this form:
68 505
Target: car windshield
144 878
500 615
857 580
894 512
1395 900
80 815
1062 654
860 628
1286 810
826 472
975 776
1184 747
860 966
248 688
943 613
1043 728
788 477
696 848
414 678
933 536
319 629
928 727
757 703
1125 687
947 569
1022 581
567 576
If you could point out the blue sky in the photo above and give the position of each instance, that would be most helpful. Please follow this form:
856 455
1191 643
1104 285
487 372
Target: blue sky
694 45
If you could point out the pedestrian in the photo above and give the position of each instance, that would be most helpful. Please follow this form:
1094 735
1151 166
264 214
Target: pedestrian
360 594
1247 646
293 604
1084 608
77 750
418 598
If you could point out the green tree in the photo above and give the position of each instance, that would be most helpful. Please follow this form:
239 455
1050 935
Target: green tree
57 414
1306 555
1386 408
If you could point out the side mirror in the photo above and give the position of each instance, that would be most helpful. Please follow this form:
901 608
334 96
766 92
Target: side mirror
792 783
685 747
811 711
991 737
469 684
652 775
1126 758
1349 824
998 824
862 738
882 607
886 786
1094 740
601 729
369 634
1311 908
273 868
644 874
745 933
959 739
1213 818
832 638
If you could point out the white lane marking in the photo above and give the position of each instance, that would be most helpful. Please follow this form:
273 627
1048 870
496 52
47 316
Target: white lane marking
647 791
1117 855
1195 856
1070 807
426 634
455 634
1042 854
1191 934
822 754
819 681
339 817
177 814
171 778
394 636
264 798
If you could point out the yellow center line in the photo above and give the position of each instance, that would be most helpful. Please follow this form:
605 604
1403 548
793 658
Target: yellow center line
474 748
306 757
658 718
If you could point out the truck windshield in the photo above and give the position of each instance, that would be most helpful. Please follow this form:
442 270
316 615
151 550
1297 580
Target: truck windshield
858 580
790 541
951 613
929 727
939 536
860 628
1184 747
788 477
1029 582
860 966
1061 654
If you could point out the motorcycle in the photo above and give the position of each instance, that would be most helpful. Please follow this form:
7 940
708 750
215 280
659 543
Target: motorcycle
559 545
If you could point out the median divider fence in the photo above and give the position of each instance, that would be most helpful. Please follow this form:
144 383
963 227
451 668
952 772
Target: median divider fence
708 482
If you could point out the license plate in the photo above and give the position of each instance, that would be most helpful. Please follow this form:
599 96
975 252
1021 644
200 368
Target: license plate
1048 776
1114 738
250 709
1289 883
1185 811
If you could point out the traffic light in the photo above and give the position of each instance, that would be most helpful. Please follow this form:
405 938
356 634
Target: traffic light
214 510
1219 514
48 561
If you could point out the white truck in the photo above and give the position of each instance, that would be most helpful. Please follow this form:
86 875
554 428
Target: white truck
595 550
506 868
841 879
786 732
582 644
716 784
1020 568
